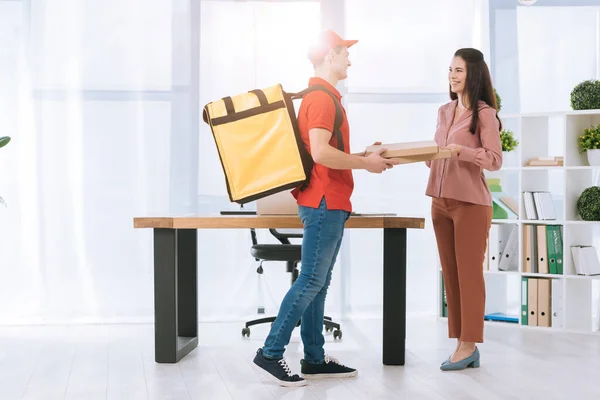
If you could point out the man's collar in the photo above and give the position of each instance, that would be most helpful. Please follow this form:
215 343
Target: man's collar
315 80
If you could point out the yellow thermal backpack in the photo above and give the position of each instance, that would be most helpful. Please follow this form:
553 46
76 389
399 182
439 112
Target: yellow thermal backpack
259 143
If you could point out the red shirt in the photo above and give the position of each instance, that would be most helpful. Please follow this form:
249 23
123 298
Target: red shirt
317 110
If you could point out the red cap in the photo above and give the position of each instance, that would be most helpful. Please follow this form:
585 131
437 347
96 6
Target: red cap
327 40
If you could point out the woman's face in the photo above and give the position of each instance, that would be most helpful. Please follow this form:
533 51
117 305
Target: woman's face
457 75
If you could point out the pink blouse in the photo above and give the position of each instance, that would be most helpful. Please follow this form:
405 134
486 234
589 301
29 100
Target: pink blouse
461 177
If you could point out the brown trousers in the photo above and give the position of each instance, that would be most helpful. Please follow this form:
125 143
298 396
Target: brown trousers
461 230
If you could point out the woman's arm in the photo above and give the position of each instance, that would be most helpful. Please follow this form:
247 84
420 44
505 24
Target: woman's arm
489 155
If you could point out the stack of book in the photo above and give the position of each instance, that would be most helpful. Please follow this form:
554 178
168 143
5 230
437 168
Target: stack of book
546 162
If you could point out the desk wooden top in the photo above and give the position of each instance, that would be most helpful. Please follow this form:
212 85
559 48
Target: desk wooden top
264 222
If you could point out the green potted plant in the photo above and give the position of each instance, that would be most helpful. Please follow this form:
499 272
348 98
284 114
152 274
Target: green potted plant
589 141
586 95
588 204
3 142
498 101
509 144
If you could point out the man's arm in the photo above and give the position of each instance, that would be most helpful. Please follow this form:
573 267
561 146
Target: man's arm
325 154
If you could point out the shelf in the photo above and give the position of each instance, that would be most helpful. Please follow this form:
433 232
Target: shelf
552 134
550 114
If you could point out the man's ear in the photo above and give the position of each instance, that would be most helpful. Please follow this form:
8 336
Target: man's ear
329 56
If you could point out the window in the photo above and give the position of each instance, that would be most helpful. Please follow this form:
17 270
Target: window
411 49
557 49
118 39
269 47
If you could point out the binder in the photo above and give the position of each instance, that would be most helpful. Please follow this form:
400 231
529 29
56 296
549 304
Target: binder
532 301
542 250
494 251
551 249
556 302
544 205
529 249
530 212
444 304
558 243
543 305
524 302
509 260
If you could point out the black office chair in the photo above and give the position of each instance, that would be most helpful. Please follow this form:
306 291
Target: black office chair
292 255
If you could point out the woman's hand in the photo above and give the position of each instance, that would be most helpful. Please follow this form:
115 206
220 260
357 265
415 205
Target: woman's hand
454 148
364 153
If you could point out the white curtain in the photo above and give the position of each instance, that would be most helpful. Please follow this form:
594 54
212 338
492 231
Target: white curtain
86 97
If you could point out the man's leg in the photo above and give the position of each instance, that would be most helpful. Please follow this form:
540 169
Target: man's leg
315 363
311 329
316 260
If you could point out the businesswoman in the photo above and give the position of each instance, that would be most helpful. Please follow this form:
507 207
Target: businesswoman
461 208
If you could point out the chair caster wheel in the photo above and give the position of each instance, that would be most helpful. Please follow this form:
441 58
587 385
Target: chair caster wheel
337 334
328 329
246 332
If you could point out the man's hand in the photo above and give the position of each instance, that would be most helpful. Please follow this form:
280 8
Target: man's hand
454 148
364 153
377 164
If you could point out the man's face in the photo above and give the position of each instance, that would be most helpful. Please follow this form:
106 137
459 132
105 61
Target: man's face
339 62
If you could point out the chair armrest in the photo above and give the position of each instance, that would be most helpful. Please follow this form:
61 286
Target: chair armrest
284 237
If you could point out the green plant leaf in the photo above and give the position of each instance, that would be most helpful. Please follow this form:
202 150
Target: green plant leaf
586 95
4 140
588 204
498 101
589 139
509 143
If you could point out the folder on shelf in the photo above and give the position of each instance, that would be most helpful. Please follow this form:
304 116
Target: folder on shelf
511 203
524 301
501 317
544 205
530 212
556 303
444 302
542 250
585 260
551 249
493 247
529 249
558 243
543 306
510 253
500 209
532 301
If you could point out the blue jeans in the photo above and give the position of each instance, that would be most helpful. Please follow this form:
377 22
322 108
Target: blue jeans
305 301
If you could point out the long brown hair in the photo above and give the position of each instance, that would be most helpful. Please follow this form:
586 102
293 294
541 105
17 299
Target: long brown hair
478 85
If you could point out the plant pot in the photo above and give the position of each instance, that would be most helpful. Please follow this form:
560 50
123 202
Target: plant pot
509 158
593 156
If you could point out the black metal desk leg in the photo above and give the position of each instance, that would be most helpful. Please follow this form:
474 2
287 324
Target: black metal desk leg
175 293
394 295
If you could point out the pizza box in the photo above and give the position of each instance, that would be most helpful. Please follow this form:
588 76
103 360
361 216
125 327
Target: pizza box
407 152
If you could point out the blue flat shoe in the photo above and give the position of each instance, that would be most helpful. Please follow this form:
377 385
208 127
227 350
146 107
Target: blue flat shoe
470 362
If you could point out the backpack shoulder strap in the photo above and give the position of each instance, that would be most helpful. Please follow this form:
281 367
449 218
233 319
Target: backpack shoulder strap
339 115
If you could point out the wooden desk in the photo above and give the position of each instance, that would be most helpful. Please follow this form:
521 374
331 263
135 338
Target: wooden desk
176 276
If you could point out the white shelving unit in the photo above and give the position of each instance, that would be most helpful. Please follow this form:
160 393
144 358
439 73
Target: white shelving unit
548 135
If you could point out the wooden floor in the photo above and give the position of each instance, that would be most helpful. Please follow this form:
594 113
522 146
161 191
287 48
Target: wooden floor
117 362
